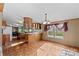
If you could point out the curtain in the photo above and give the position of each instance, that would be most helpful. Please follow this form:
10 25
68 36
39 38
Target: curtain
62 26
65 26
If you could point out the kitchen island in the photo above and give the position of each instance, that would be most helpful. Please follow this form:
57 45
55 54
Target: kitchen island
33 37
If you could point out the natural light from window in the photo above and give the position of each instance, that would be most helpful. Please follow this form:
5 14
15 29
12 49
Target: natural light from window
55 32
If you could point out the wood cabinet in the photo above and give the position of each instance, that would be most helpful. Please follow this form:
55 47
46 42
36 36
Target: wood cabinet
34 37
36 25
0 38
4 23
1 7
26 37
5 39
0 23
28 22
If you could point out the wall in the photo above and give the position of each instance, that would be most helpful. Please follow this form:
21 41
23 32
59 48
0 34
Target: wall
71 37
8 31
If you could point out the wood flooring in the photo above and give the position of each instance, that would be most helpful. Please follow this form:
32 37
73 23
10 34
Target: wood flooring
39 48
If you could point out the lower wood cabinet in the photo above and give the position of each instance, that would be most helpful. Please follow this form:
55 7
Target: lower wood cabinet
5 39
34 37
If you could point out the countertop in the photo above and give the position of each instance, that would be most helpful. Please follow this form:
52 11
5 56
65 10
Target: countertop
34 33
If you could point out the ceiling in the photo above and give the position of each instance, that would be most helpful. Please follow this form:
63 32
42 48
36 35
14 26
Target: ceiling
14 12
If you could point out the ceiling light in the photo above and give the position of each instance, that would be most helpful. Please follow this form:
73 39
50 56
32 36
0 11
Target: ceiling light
46 21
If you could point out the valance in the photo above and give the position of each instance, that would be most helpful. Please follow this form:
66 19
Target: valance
59 26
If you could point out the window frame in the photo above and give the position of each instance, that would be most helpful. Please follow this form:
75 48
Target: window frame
55 31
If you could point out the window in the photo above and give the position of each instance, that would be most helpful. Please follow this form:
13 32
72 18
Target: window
51 32
56 32
20 29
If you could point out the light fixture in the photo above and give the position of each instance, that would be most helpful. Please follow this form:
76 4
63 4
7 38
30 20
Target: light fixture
46 21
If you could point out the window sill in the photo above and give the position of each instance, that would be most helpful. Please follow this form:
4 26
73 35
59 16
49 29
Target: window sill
55 38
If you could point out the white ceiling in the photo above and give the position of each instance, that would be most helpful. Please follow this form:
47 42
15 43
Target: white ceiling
14 12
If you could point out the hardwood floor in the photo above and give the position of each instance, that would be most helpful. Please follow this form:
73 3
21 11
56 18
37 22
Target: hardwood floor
39 48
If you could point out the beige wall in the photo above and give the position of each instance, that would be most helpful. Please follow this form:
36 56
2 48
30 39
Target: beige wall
71 37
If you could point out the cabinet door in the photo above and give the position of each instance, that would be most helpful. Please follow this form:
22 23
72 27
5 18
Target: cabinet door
5 39
34 37
28 22
4 23
1 7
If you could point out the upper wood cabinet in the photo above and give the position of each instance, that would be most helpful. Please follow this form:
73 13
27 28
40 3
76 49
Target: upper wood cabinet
0 23
36 25
1 12
1 7
28 22
4 23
